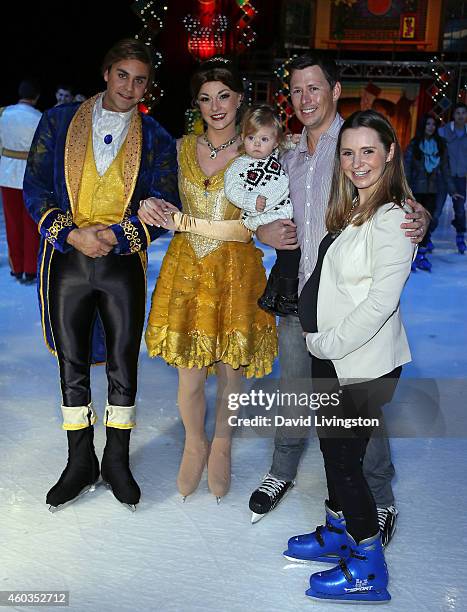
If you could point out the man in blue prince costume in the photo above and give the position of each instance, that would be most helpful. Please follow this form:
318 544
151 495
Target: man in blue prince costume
89 167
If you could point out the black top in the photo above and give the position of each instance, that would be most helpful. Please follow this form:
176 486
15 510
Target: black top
308 300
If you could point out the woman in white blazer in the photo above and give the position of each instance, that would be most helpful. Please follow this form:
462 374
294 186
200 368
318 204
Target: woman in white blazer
350 309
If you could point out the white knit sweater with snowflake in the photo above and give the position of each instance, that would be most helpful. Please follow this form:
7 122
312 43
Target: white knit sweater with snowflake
247 178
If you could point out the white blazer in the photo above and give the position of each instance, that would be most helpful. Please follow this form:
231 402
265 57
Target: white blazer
363 274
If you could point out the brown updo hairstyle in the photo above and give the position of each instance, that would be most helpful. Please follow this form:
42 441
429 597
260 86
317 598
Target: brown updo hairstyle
217 69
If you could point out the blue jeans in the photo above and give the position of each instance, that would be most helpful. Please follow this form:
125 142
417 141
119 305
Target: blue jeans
295 362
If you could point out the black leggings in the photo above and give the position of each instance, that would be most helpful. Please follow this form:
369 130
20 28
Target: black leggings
344 449
288 263
428 200
80 288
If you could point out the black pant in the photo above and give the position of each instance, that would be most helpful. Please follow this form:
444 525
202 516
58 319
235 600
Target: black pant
428 200
344 449
80 288
288 262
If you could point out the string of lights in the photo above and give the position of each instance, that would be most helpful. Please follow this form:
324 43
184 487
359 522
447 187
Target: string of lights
439 89
246 34
151 13
284 108
204 41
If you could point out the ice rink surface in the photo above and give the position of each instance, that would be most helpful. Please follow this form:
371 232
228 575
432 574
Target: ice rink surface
200 556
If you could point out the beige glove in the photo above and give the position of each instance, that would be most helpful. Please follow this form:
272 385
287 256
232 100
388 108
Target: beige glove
231 230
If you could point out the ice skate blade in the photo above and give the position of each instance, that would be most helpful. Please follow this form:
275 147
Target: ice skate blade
369 597
256 517
218 500
87 489
131 507
324 559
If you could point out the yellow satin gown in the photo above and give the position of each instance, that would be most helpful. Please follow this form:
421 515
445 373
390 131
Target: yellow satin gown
204 306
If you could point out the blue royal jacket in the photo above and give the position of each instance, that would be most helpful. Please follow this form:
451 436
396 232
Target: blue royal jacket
52 181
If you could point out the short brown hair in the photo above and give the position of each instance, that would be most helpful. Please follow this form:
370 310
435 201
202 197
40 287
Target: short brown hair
128 48
315 58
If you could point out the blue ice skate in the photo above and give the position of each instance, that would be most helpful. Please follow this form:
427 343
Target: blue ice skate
460 242
327 544
421 260
362 578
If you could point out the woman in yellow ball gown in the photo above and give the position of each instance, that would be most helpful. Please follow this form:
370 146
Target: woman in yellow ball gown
204 315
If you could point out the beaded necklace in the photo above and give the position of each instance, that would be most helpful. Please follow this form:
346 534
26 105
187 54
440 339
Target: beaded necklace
215 150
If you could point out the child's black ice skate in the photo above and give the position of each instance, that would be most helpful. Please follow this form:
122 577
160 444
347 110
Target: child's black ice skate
269 298
287 301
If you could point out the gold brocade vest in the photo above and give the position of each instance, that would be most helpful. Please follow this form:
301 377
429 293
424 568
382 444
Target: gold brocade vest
101 199
202 197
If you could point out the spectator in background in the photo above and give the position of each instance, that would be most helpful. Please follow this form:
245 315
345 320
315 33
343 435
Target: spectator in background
17 126
427 167
79 97
455 136
63 94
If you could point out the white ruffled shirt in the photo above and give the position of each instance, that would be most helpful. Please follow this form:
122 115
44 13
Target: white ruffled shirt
106 122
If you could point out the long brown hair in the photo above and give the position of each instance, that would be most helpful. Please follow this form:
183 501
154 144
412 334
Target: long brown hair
392 185
420 136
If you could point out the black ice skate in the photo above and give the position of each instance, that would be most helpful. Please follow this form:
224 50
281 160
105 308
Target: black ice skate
287 301
387 523
266 497
115 468
269 298
81 472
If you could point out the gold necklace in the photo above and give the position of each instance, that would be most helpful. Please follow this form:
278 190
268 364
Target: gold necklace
355 203
215 150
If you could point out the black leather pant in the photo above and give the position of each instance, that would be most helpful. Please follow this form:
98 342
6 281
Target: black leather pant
344 449
80 288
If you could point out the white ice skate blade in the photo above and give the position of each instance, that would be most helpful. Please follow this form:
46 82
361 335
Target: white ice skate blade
332 560
256 517
302 561
87 489
131 507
